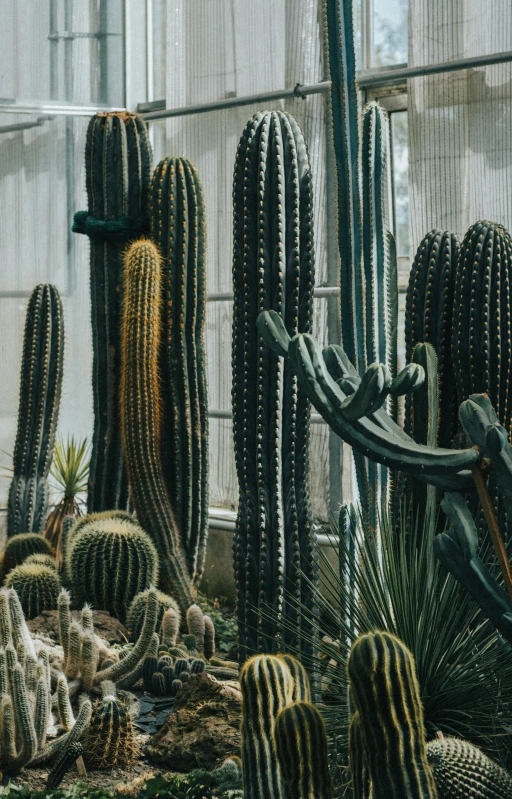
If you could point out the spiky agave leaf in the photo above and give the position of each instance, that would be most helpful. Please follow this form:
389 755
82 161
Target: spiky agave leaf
463 667
70 472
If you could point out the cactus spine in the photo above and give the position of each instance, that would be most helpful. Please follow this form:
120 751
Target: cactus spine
460 770
40 390
273 267
20 546
267 686
141 415
196 625
109 562
118 162
301 746
37 586
110 738
178 228
386 695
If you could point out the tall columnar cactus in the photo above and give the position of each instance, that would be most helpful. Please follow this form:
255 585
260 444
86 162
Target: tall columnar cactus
461 770
109 562
141 416
40 390
301 746
428 318
267 686
481 333
386 695
273 267
118 163
178 228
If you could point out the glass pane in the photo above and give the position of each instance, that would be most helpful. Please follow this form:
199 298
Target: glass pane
390 32
400 155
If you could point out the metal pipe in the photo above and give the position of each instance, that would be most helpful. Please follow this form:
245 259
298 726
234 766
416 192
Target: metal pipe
385 77
216 413
319 291
54 109
235 102
24 125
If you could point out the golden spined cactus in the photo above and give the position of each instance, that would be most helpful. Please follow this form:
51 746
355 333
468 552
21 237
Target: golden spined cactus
386 695
301 746
141 415
20 546
267 686
110 740
37 586
135 615
301 686
178 228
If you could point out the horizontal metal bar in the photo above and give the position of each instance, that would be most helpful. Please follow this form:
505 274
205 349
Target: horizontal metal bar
371 78
319 291
215 413
299 90
53 109
37 123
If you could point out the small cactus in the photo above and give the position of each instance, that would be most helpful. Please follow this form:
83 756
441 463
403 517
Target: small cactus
158 684
168 673
170 627
197 666
196 626
135 616
461 770
37 586
209 638
19 547
110 738
176 687
301 746
180 666
149 667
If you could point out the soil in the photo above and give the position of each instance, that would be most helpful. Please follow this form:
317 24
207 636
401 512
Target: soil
105 626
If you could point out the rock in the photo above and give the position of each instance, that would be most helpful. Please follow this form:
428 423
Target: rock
105 625
203 729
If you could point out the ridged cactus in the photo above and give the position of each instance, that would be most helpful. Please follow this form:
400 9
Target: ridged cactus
209 638
178 228
301 746
386 695
118 164
110 740
267 686
42 560
461 770
63 763
170 627
196 625
40 390
135 616
273 268
428 318
37 586
20 546
109 562
141 416
481 332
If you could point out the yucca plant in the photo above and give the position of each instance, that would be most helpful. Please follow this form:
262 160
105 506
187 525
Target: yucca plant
70 471
464 669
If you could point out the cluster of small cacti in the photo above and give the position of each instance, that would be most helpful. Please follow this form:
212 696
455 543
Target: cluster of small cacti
26 699
110 741
40 390
109 560
165 675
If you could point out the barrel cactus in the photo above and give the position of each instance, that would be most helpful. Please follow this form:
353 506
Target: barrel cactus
460 770
42 560
40 390
110 741
20 546
178 228
135 616
118 164
109 562
273 268
37 586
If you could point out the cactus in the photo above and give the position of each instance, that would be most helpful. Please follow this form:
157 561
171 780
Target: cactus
149 667
110 740
37 586
273 266
159 684
109 562
63 763
301 746
209 638
428 318
386 695
170 627
20 546
40 559
176 687
135 616
40 390
181 665
118 163
301 687
141 416
178 228
461 770
196 625
267 686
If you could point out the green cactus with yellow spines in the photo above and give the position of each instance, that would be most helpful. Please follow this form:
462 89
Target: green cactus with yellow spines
301 747
19 547
267 687
273 267
109 562
301 687
386 695
460 770
141 416
37 586
110 741
135 616
42 560
40 391
118 164
178 228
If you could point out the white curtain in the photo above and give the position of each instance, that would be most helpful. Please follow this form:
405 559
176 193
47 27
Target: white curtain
460 123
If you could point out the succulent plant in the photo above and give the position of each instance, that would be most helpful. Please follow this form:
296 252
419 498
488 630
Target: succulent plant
159 684
135 616
40 391
118 164
196 626
110 740
37 586
176 687
141 416
273 267
209 638
170 627
460 770
40 559
63 763
20 546
178 228
301 747
109 562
